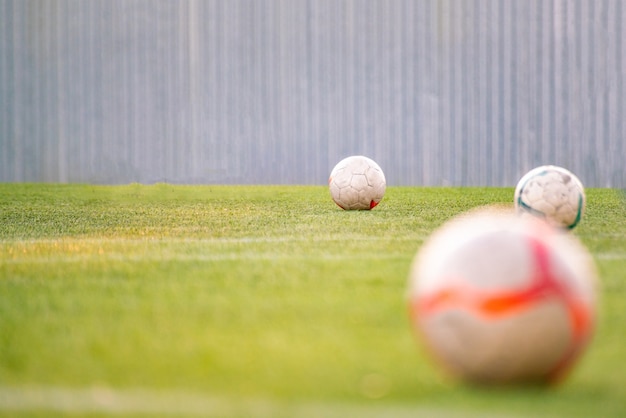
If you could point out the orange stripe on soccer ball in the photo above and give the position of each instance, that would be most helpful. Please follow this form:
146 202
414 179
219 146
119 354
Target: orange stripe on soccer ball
543 286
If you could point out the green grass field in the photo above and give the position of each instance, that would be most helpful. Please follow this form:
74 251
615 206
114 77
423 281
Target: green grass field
255 301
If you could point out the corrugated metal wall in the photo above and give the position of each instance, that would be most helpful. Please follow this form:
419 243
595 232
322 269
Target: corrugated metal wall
466 92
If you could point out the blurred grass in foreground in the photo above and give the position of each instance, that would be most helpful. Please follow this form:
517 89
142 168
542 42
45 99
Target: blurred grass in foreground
254 301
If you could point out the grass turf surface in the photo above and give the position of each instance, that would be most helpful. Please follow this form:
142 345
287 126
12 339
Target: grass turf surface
255 301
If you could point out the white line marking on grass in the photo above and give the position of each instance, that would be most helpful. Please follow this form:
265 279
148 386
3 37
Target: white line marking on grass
610 256
108 401
169 249
210 240
251 256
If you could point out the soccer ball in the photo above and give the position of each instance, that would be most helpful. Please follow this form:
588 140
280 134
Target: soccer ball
357 182
552 193
503 299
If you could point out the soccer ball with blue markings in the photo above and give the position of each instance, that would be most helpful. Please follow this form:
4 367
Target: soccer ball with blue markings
552 193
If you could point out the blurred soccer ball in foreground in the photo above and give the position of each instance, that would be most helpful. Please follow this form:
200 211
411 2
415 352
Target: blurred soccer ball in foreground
357 182
552 193
502 299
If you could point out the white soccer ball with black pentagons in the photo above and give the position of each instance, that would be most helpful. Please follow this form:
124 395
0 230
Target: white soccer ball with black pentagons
552 193
357 183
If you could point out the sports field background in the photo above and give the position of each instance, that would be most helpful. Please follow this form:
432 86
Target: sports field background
168 245
255 301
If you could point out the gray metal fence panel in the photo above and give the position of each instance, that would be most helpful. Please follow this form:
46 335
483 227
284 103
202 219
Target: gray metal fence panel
438 92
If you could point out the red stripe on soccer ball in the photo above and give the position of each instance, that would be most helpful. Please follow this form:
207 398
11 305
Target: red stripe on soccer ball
543 286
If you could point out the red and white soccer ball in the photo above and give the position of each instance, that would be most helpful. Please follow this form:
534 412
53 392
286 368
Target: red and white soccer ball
552 193
357 183
502 299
